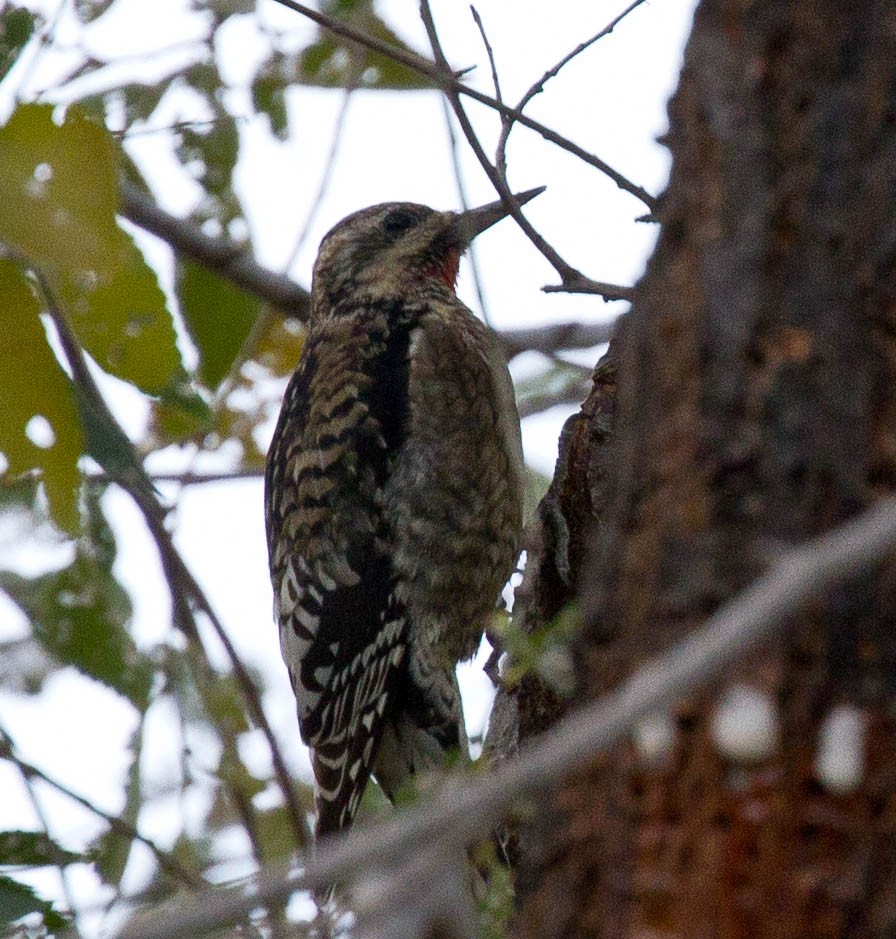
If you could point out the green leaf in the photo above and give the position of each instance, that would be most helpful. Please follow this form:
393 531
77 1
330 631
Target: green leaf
140 100
276 835
180 414
216 147
33 386
219 318
332 62
268 98
79 615
32 848
112 850
107 443
58 212
17 26
18 900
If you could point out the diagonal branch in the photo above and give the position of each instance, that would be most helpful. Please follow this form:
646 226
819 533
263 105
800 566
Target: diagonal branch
538 87
462 812
568 274
446 79
236 265
167 862
221 255
187 595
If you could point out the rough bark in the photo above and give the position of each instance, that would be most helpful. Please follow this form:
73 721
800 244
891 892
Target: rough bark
755 407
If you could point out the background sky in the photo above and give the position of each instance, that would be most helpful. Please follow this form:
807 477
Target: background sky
611 101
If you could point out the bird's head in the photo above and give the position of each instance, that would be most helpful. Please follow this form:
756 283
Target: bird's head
388 249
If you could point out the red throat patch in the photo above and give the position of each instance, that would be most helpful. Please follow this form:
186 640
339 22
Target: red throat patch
446 269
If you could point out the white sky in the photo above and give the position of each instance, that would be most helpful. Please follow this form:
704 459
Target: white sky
611 101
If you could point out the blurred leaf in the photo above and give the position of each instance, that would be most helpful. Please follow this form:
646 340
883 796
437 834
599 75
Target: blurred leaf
237 776
223 9
275 833
58 211
17 26
113 848
140 100
226 705
35 848
280 346
268 98
218 316
32 385
80 613
106 442
178 416
24 666
215 146
90 10
331 62
544 651
536 487
18 900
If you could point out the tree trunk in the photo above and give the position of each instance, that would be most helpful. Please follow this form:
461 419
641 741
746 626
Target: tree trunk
755 408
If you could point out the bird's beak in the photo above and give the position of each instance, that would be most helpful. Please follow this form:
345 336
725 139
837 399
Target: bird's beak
473 222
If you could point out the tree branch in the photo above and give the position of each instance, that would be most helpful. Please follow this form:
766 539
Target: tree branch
462 812
218 254
446 79
555 338
185 590
538 87
167 862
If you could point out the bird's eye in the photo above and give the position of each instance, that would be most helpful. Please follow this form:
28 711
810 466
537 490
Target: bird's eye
397 221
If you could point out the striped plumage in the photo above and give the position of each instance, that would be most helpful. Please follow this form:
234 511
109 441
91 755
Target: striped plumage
393 500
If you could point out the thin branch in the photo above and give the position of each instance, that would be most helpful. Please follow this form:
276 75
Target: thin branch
186 592
167 862
445 78
64 880
565 270
491 57
279 290
568 274
465 204
327 176
461 812
218 254
582 284
555 338
538 87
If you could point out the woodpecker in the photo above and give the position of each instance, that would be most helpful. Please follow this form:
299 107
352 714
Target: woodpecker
393 500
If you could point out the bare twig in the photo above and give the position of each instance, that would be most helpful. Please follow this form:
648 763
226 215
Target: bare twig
582 284
465 204
218 254
167 862
551 339
461 812
326 176
445 78
497 180
538 87
491 58
568 274
64 880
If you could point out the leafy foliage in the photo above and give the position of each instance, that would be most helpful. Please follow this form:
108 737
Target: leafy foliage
17 900
59 215
207 360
